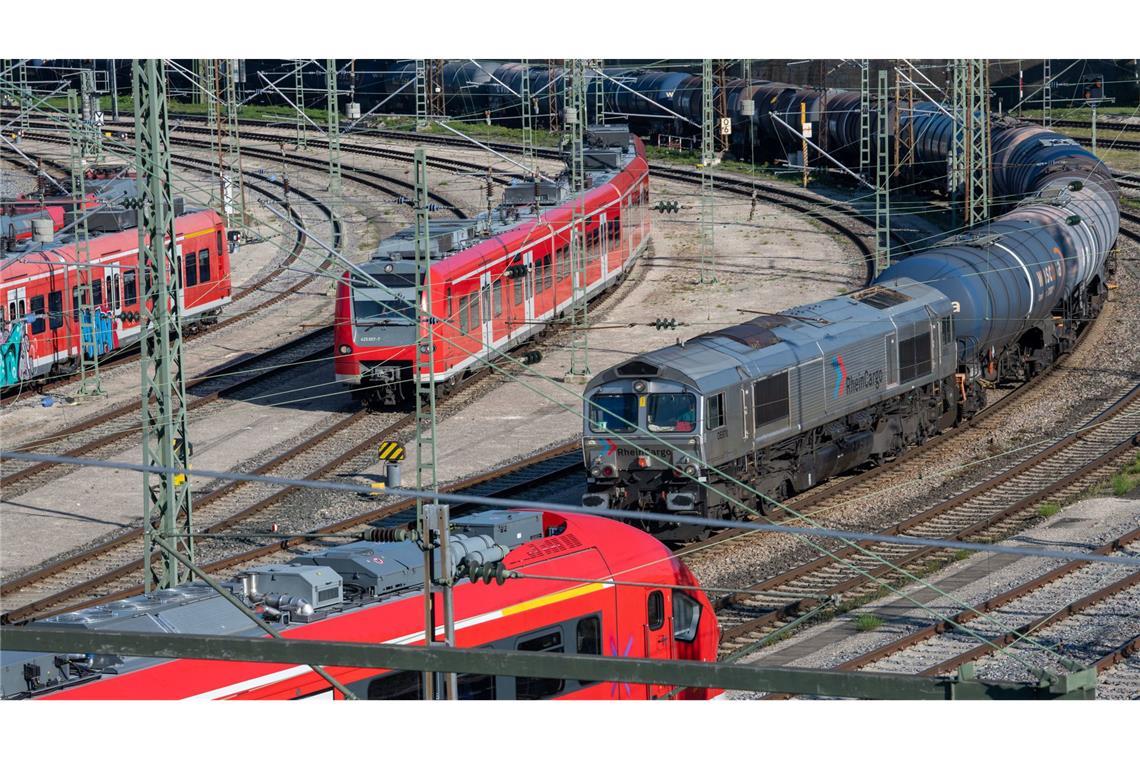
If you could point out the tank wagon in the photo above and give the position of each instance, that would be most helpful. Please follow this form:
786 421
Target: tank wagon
643 602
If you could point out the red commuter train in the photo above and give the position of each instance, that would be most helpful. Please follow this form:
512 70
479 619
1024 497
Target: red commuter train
606 589
40 291
497 280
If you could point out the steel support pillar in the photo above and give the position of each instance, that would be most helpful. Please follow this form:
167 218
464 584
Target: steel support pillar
433 518
436 107
882 181
89 333
708 158
333 129
864 117
1047 93
527 121
574 114
165 442
978 138
599 93
301 137
92 114
956 175
421 94
554 67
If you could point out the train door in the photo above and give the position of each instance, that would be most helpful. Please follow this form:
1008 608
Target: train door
658 633
528 284
179 279
747 422
892 357
17 307
485 310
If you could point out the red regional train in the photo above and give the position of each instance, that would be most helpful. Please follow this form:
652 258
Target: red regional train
496 280
40 287
641 601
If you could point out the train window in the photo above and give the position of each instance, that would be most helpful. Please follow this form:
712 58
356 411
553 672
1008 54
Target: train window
475 686
518 285
614 229
655 609
686 616
485 301
538 276
21 308
547 274
55 309
947 330
115 291
75 301
714 411
11 311
613 412
563 260
191 266
497 297
97 293
219 243
204 266
589 635
463 323
540 688
914 357
475 311
405 684
671 412
130 288
771 398
40 323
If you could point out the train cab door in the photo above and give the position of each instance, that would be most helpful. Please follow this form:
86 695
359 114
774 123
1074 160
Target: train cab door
485 311
658 630
892 351
528 287
179 278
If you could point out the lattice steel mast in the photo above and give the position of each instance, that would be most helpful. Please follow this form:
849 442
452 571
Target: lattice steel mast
301 137
708 158
882 181
864 117
78 143
421 94
165 443
527 122
333 127
574 117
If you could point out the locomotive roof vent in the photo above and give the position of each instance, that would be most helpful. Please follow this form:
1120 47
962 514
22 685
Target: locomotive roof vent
880 297
608 136
636 368
755 333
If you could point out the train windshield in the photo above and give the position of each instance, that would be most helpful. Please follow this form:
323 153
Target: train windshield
381 308
672 413
613 413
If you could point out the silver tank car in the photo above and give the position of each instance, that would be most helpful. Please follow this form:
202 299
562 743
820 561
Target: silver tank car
781 402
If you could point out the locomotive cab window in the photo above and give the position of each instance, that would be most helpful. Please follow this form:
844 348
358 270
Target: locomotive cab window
588 636
714 411
191 263
655 610
540 688
771 399
671 412
914 357
686 616
204 265
613 412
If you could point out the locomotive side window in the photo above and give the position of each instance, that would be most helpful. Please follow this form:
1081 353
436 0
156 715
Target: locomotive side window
204 265
55 309
497 298
947 330
671 412
655 610
771 396
914 357
613 412
40 323
475 686
714 411
463 323
540 688
686 616
191 266
588 637
130 288
405 684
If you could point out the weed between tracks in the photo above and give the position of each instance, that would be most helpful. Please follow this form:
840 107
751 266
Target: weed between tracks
867 622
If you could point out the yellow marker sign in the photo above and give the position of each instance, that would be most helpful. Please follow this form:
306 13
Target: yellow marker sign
390 451
641 400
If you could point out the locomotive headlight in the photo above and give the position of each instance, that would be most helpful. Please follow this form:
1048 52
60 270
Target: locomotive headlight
345 348
608 471
640 386
389 268
596 472
592 442
691 469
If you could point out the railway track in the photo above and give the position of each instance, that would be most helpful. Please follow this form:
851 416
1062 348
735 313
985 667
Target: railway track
984 511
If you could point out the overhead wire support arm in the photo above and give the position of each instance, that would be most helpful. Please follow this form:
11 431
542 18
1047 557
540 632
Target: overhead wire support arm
496 153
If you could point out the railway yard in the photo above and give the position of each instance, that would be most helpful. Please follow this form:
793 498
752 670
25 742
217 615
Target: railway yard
573 371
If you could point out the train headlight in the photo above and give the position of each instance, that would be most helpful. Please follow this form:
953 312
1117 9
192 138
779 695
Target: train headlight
389 268
640 386
345 348
691 469
596 472
608 471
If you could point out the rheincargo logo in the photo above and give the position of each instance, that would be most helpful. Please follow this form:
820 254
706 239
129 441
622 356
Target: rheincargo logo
845 385
840 375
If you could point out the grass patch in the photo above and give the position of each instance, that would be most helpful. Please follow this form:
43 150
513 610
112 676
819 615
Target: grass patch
962 554
1048 509
867 622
